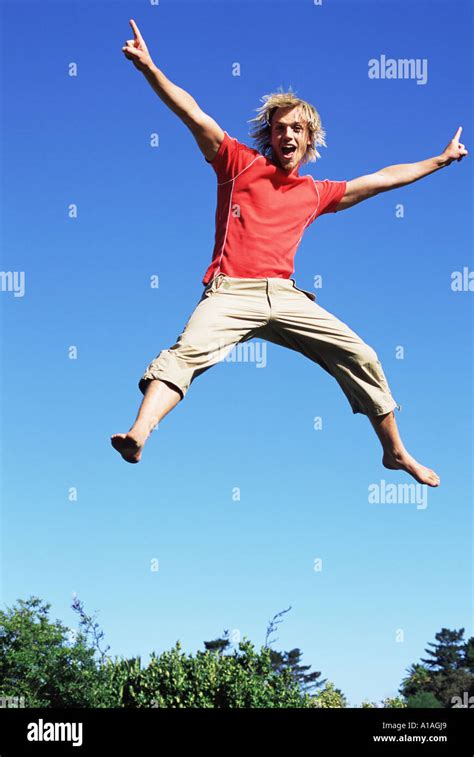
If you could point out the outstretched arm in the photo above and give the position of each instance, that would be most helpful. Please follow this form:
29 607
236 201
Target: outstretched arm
393 177
206 131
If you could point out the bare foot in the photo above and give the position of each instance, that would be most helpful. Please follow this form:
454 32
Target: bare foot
406 462
129 446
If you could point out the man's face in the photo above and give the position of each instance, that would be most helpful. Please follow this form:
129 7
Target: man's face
289 137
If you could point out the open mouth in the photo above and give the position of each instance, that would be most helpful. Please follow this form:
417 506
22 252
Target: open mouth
288 151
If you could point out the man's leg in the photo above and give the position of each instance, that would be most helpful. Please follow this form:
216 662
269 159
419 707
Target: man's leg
302 325
223 317
395 455
160 397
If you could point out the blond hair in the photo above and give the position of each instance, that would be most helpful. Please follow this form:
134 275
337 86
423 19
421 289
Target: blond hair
261 133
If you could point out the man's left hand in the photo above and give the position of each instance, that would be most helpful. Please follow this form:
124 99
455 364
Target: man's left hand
454 150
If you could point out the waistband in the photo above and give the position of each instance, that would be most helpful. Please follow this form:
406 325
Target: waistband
271 284
219 278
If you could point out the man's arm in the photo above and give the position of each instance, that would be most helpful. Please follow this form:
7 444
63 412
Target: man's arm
206 131
393 177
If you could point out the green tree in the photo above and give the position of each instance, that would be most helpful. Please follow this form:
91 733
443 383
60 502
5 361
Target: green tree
448 665
40 662
445 674
418 680
469 662
220 645
423 700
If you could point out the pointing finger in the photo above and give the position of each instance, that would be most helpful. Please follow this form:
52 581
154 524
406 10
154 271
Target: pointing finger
136 30
458 133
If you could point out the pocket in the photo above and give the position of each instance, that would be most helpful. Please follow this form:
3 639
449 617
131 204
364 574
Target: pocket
311 295
213 285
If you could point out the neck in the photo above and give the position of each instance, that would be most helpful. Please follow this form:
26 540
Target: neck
287 171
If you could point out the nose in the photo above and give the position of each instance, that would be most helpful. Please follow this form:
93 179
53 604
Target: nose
288 134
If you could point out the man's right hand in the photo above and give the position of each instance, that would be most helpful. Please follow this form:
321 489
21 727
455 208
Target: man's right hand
206 131
136 50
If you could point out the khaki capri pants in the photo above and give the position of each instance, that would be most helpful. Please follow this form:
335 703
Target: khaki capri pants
233 310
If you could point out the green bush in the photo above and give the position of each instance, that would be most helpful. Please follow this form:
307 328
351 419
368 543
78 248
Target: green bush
39 662
209 679
329 697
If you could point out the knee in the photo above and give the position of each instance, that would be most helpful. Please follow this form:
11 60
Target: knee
366 355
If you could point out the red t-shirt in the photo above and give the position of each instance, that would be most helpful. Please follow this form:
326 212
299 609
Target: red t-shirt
262 212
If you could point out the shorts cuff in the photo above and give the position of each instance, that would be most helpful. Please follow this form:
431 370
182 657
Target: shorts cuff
378 409
150 375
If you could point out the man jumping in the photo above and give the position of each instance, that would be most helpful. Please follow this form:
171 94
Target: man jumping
263 209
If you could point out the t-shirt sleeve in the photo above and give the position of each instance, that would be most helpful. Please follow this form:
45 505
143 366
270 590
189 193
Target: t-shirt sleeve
330 193
231 158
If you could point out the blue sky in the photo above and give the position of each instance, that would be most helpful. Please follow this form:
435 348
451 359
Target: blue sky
389 571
